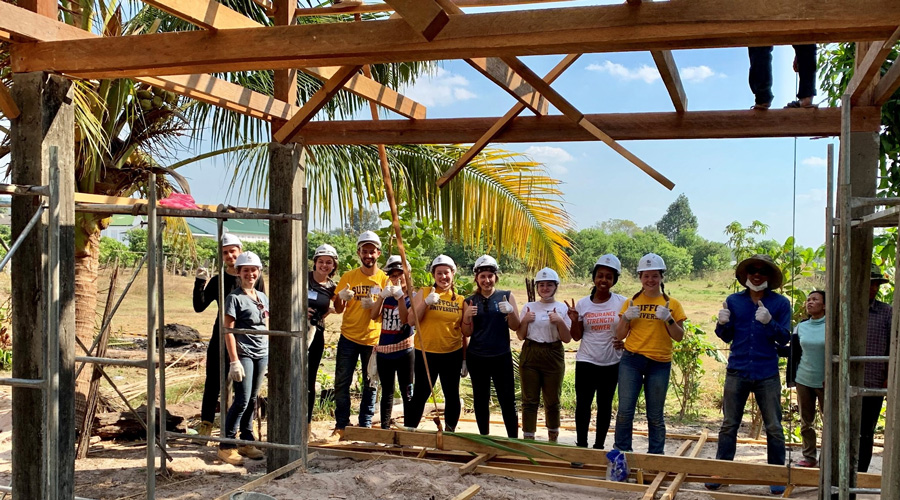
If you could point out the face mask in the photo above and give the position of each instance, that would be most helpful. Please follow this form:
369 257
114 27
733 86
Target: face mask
761 287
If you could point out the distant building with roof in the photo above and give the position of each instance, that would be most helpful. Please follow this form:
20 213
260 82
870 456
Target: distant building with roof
245 229
120 225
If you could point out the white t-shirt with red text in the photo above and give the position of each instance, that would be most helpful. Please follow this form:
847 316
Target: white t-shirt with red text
599 321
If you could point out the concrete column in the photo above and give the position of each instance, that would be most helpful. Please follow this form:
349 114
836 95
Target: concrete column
47 119
287 297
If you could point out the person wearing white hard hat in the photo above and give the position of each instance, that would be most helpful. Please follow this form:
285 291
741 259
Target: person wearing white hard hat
206 291
359 332
439 310
649 322
245 309
394 353
594 319
488 317
320 294
756 322
544 326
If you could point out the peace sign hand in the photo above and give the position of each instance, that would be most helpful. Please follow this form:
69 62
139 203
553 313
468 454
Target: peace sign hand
573 314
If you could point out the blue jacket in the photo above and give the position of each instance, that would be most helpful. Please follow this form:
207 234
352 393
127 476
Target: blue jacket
754 353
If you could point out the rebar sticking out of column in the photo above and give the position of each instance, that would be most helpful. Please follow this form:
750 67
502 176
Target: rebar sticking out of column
152 297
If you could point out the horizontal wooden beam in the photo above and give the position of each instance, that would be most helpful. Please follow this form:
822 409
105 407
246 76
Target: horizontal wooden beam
425 17
370 8
620 126
888 84
668 70
610 28
870 67
314 104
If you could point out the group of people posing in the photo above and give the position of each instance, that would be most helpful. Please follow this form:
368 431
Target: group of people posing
417 338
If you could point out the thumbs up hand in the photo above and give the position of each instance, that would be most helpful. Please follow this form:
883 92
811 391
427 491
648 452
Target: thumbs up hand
555 318
470 310
529 316
663 313
763 315
346 294
632 312
504 306
724 314
432 298
386 292
397 292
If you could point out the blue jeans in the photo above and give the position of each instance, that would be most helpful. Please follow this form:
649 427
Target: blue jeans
768 398
760 76
244 405
638 372
348 352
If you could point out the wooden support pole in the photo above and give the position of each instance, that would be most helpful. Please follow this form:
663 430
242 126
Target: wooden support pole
672 490
315 103
47 119
425 17
287 281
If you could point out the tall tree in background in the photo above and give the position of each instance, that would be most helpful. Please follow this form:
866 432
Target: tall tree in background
677 217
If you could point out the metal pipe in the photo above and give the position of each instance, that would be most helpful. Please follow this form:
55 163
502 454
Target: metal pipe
33 383
52 348
151 337
270 333
174 212
16 244
223 352
846 283
863 359
304 331
24 189
861 202
239 442
827 419
856 392
112 361
161 335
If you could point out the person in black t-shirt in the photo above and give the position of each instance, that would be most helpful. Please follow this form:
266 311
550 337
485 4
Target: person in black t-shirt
206 291
320 295
395 354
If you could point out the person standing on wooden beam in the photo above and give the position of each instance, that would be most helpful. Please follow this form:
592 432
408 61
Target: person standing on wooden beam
878 343
359 332
206 291
755 321
761 76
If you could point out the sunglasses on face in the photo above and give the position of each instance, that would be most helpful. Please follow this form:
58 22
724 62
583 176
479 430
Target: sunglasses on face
758 270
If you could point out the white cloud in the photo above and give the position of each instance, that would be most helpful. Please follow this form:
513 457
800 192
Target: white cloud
814 161
552 157
812 196
645 73
697 74
441 89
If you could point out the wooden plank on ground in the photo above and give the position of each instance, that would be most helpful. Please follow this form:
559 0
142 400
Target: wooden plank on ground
672 490
650 494
538 476
870 67
7 105
468 493
721 495
479 459
668 70
425 17
268 477
314 104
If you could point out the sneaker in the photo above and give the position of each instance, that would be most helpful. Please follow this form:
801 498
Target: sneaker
807 462
776 490
762 106
230 456
251 452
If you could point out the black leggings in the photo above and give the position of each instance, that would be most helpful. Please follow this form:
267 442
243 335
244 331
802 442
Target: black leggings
499 369
593 379
314 358
211 387
445 366
404 368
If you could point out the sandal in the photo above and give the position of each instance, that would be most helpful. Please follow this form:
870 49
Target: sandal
762 106
798 104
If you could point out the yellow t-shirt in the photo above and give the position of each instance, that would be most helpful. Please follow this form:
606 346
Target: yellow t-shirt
648 335
439 329
357 324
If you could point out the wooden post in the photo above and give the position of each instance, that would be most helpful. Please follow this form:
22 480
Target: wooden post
47 119
287 299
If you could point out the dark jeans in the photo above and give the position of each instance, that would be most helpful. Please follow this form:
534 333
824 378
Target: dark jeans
404 368
591 379
244 405
637 372
214 373
499 369
768 398
348 352
542 367
806 400
314 358
445 366
760 76
871 410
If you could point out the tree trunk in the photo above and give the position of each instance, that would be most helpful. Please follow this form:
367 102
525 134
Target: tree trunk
87 259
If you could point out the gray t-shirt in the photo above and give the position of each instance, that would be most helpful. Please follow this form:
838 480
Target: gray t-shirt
249 314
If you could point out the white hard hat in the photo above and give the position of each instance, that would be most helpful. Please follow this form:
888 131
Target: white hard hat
326 250
394 263
229 239
546 274
248 259
651 262
368 237
442 260
485 262
611 261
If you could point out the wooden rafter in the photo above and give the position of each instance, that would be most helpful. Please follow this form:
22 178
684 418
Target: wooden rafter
620 126
499 72
870 67
572 113
284 81
425 17
609 28
370 8
7 105
665 62
501 124
888 84
314 104
193 11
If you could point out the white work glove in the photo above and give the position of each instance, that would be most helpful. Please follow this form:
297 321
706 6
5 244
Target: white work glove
432 299
346 294
386 292
504 306
632 312
724 314
398 292
235 371
202 273
663 313
464 372
375 290
763 315
367 302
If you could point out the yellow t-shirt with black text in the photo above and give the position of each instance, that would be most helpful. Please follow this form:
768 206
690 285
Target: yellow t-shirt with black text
439 330
357 324
648 335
